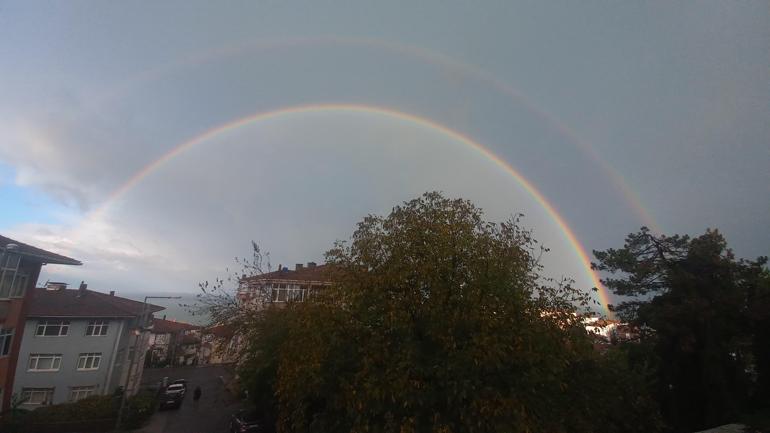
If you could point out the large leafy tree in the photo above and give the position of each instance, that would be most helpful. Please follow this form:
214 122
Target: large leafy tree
699 309
440 321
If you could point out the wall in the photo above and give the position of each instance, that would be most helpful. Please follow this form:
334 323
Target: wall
70 347
13 317
123 358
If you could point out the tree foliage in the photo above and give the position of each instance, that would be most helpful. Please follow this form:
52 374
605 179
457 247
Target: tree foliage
706 317
439 321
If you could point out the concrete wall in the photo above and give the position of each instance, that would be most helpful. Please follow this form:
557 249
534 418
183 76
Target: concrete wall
123 358
70 347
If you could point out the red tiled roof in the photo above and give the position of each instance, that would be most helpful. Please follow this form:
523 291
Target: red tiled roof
161 326
86 303
315 273
37 253
220 331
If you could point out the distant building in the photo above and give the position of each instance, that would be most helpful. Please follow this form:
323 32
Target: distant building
79 342
173 343
20 266
220 345
285 285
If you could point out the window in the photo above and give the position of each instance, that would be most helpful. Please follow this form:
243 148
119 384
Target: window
44 362
12 282
97 328
81 392
89 361
52 328
19 285
37 395
281 295
295 295
6 337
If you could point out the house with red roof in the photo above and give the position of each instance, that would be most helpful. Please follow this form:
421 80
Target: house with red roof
285 285
173 343
219 345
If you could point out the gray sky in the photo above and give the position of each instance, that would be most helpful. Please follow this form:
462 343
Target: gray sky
670 97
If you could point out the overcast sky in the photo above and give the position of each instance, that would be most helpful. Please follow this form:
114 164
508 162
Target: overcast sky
619 113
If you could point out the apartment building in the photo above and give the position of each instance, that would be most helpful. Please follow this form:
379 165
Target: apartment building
285 285
80 342
20 266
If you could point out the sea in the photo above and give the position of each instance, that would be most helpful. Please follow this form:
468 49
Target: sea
180 310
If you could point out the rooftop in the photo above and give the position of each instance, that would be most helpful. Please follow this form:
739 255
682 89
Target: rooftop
83 303
318 273
163 326
37 253
220 331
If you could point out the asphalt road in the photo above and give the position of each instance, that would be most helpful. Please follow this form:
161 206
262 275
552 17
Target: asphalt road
209 415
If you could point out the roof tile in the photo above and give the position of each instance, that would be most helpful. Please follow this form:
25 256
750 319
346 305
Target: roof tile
86 303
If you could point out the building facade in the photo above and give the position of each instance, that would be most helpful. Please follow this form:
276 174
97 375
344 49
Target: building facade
219 345
79 343
285 285
173 343
20 266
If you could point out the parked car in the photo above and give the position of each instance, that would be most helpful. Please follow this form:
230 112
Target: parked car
182 382
246 421
177 387
173 396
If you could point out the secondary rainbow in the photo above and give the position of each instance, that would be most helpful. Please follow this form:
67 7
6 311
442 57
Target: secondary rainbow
383 111
422 54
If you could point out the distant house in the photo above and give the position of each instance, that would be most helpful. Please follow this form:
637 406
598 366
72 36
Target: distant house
173 343
285 285
20 266
220 345
79 342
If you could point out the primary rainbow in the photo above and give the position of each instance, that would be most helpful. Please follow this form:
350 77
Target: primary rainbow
388 112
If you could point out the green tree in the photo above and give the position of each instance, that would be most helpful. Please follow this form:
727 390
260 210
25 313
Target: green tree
439 321
691 298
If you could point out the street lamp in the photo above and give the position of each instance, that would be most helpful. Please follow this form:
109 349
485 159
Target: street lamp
138 333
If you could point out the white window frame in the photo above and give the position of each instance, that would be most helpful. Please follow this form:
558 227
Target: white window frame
97 328
64 326
89 361
80 392
36 357
27 393
6 342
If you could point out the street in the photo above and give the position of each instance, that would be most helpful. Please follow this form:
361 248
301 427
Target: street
210 415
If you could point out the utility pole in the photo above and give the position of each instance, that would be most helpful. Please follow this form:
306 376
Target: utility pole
142 326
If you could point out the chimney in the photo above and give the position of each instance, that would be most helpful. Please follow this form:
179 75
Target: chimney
112 293
82 289
311 265
298 267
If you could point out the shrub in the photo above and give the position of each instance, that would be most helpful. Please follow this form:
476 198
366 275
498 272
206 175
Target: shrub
91 408
139 409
